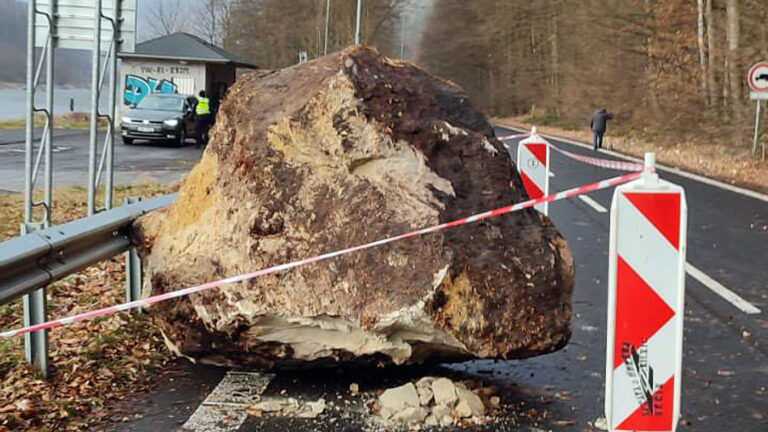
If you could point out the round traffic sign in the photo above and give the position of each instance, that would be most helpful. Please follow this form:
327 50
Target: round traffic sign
758 77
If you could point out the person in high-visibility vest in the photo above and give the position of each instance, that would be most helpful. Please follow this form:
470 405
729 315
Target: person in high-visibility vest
202 118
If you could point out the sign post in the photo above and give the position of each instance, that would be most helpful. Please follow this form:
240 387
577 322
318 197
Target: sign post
533 164
646 291
758 82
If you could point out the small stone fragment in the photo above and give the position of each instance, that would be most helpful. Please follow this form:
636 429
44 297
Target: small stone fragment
269 406
444 392
313 409
462 409
425 395
443 414
397 399
425 382
446 421
410 415
354 389
495 401
472 402
431 421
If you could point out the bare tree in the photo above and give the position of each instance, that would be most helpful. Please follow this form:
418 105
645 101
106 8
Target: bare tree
733 30
166 17
702 48
212 19
711 83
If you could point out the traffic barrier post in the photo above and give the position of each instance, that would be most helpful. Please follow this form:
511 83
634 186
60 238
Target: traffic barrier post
533 164
646 289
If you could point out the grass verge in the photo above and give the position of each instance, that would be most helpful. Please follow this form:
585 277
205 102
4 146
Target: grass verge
71 121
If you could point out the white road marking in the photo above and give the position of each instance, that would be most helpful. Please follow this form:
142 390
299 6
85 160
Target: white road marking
224 410
551 174
592 203
677 171
719 289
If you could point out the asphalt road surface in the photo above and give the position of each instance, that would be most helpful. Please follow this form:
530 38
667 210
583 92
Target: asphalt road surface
725 366
139 163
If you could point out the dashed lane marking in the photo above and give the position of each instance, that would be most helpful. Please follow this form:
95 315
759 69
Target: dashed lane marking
594 204
225 409
677 171
722 291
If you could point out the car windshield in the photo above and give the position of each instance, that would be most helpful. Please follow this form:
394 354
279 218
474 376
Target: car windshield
161 103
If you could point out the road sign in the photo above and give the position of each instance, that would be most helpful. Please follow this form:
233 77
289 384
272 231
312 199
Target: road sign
758 77
74 24
646 283
533 164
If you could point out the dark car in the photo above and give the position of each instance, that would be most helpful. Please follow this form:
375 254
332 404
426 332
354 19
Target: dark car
160 117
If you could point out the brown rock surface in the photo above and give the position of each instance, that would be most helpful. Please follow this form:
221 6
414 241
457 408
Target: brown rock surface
348 149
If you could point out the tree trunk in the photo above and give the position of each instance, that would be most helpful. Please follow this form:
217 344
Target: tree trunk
711 81
702 48
734 75
653 99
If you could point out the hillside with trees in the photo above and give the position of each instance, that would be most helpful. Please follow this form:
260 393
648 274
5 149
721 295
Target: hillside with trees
670 70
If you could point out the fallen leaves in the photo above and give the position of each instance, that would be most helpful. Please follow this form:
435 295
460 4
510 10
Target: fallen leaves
94 363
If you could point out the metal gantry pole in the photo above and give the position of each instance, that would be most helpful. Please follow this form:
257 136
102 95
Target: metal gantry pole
359 25
327 24
95 93
36 344
30 114
49 86
110 139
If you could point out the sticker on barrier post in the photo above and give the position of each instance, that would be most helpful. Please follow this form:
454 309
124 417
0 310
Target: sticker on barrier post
646 288
533 164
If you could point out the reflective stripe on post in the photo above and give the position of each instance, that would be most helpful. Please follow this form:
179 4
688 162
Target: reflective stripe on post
533 164
646 289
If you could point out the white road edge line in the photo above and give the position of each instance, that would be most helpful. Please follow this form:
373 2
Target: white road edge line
594 204
718 288
677 171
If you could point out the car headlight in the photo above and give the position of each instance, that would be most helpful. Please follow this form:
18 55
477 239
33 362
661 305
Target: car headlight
171 122
126 119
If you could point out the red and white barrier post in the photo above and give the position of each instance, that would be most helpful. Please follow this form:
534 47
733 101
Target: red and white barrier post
533 163
646 289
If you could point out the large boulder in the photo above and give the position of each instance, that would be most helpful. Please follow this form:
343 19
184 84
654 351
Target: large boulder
344 150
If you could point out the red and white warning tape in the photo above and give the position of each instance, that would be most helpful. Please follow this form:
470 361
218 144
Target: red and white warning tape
602 163
511 137
604 184
598 162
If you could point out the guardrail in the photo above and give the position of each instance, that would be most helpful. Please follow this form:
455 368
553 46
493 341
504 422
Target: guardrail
33 261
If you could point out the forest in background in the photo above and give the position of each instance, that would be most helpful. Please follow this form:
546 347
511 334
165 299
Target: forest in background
668 69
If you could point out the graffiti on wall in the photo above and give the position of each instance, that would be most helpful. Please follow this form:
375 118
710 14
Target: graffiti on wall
136 88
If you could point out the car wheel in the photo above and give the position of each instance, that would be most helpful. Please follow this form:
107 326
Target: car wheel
127 141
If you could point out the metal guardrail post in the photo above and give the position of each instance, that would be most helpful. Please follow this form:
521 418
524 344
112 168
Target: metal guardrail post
35 312
133 268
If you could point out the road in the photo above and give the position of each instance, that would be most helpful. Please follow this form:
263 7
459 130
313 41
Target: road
725 366
133 164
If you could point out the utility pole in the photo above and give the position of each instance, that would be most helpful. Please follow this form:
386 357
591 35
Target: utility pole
327 22
359 26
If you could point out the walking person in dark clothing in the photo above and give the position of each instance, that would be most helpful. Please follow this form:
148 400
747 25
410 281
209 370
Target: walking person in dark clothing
599 124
